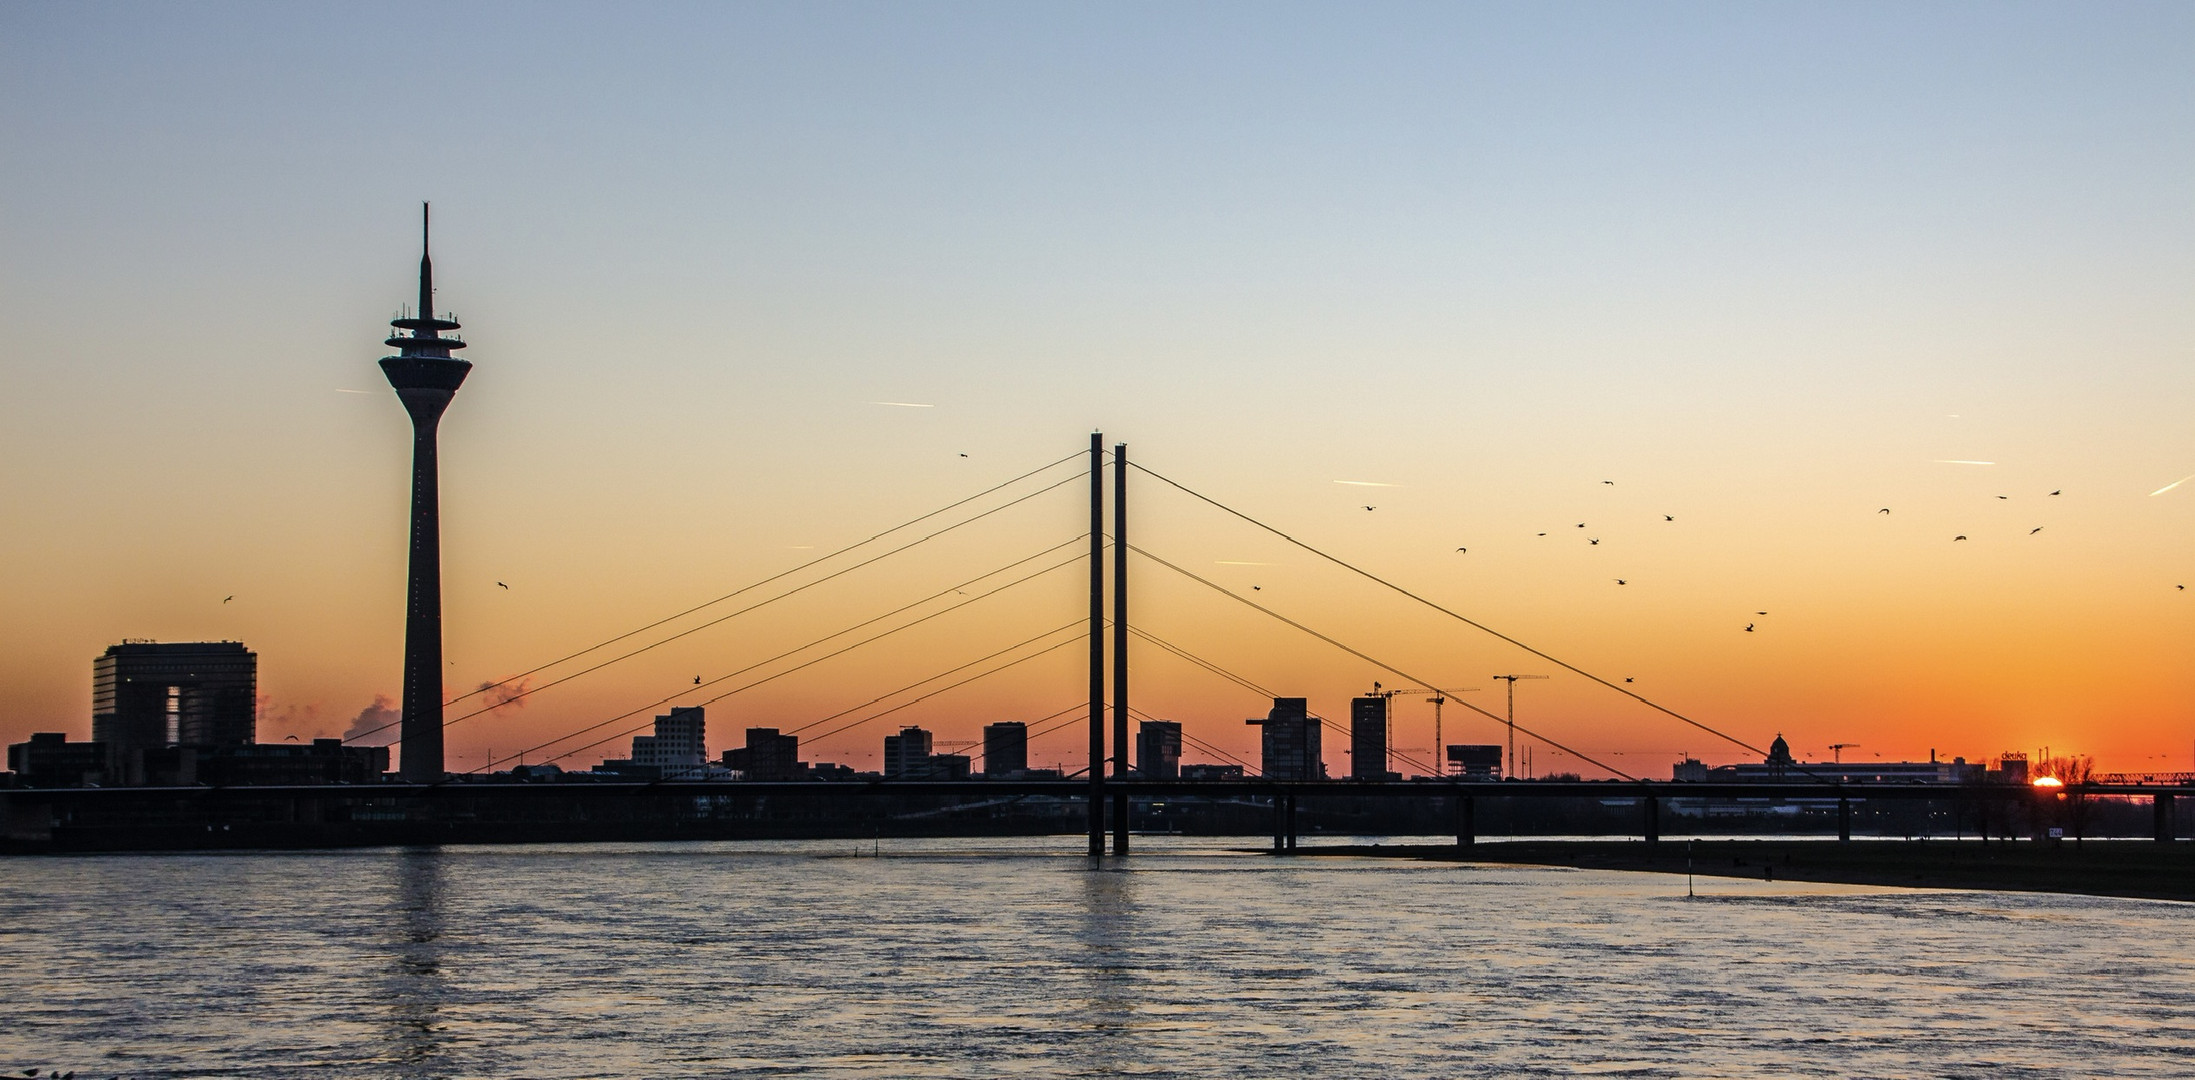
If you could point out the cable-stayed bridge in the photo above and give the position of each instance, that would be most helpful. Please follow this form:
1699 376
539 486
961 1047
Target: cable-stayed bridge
1105 789
1108 781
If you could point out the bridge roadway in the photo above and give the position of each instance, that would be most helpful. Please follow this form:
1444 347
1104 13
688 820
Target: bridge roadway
25 813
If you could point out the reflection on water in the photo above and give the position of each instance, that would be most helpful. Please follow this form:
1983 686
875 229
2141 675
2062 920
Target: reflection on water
1107 962
1017 958
414 987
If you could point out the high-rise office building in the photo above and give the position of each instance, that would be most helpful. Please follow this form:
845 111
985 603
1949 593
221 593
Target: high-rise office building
680 743
1158 750
1005 748
767 756
1291 748
1368 738
146 695
907 754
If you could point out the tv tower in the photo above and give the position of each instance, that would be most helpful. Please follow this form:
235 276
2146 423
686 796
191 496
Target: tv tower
425 376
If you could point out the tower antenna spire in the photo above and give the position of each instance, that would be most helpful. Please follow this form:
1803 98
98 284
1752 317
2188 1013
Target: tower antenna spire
425 377
426 267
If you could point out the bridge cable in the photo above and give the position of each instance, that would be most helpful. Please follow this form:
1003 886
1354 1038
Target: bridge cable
1199 743
1466 620
895 708
1384 666
1010 648
765 581
1261 692
818 641
732 615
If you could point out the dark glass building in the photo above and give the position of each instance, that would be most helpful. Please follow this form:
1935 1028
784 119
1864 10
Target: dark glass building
1368 738
146 695
1291 746
907 754
1474 761
49 759
1158 750
767 756
1005 748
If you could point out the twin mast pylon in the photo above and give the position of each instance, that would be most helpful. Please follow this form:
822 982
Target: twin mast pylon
1119 803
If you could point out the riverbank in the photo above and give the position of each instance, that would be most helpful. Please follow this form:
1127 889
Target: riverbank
2142 869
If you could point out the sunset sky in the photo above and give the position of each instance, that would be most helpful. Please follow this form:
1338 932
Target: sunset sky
1770 269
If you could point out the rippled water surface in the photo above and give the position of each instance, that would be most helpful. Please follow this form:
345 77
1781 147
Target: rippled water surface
1014 958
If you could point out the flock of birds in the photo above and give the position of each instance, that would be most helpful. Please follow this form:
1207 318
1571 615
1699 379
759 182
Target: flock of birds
1594 541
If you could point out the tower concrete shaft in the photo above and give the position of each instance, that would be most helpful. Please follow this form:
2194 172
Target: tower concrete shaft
425 377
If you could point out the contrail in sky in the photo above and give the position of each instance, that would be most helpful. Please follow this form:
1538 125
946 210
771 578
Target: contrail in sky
1365 483
2174 484
1949 461
904 404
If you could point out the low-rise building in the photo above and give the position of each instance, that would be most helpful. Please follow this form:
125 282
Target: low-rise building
1475 761
768 755
49 759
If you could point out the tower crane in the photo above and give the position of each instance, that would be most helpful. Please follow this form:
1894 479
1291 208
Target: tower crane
1837 749
1509 763
1438 698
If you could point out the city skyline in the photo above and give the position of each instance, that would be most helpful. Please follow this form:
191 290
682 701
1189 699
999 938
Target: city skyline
1724 365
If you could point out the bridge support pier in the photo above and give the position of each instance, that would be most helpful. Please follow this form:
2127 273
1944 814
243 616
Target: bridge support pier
2161 805
1652 808
1844 820
1280 824
1467 826
1291 823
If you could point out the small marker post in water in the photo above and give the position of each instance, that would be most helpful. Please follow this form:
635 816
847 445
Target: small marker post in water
1688 869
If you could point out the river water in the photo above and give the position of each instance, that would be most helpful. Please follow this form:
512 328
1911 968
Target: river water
1014 958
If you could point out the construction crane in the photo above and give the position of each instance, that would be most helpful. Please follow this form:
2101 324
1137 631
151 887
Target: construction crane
1837 749
1509 763
1438 698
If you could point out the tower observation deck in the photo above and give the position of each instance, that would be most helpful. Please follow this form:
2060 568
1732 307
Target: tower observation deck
425 377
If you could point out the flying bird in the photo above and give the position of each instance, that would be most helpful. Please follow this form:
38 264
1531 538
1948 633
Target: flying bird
1628 678
2180 587
1621 581
1610 483
1593 540
1581 524
1748 628
1961 536
500 585
697 680
1884 510
228 598
1257 588
2004 496
1463 549
2057 493
1666 517
1543 534
1371 508
963 455
2034 530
